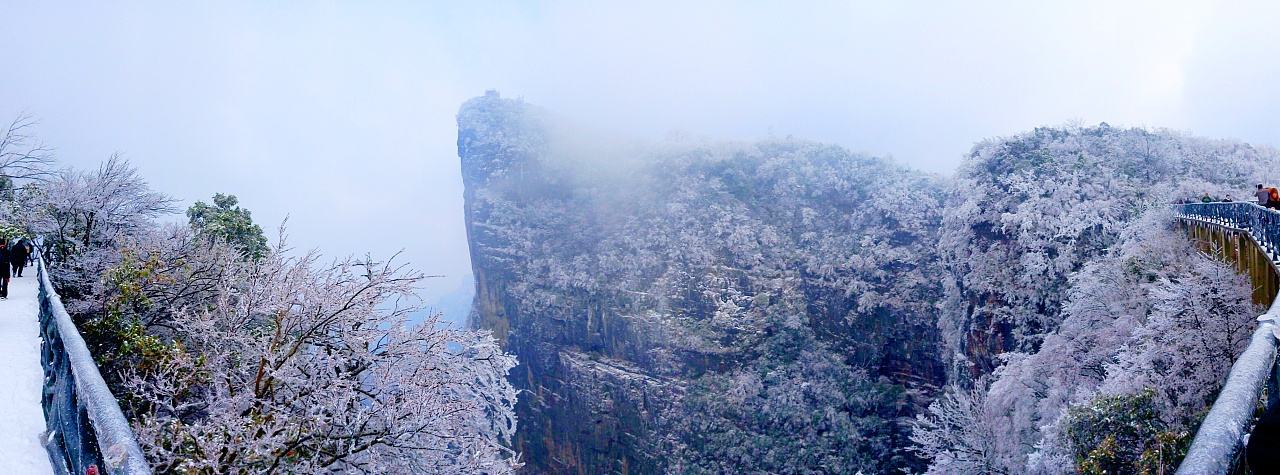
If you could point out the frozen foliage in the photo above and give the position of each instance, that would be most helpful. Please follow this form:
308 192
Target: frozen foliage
684 261
24 163
85 216
283 364
957 434
796 411
288 365
96 208
1153 314
1034 208
1196 327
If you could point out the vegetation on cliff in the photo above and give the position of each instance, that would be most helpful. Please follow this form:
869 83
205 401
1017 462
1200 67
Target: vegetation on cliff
788 306
798 277
1068 288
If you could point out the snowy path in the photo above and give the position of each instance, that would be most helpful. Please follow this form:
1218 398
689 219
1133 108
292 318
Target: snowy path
21 380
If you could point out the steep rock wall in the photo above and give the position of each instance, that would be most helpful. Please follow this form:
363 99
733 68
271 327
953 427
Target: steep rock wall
701 308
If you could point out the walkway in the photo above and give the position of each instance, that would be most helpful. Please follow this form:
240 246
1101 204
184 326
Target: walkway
1248 236
21 416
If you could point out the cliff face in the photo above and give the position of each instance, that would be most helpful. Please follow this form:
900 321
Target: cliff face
701 308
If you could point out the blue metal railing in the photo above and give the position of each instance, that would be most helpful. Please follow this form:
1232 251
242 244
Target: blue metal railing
1261 223
1217 444
86 427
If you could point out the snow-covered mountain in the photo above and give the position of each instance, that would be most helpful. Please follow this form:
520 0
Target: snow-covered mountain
702 307
791 307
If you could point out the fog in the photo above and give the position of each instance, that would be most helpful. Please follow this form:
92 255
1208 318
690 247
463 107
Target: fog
340 116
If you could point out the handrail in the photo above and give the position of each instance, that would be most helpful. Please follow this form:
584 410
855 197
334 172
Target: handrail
1262 224
86 426
1225 428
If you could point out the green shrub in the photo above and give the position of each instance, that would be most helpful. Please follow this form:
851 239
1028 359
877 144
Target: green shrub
1123 434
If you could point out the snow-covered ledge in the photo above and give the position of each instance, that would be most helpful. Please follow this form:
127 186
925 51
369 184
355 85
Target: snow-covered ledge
1223 432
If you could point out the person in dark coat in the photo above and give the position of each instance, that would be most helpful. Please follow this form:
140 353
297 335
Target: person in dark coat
1261 451
18 256
4 269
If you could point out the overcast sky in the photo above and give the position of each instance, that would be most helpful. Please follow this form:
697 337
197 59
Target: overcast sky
340 116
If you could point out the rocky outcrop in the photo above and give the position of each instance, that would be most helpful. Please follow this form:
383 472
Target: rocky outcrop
701 308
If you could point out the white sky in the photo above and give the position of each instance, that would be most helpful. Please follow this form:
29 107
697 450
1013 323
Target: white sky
340 116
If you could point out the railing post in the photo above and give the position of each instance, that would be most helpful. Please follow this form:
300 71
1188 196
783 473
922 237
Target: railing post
1255 274
1240 250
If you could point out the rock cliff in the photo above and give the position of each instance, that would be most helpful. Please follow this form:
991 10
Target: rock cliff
698 308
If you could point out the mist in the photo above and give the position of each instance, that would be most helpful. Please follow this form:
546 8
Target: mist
340 117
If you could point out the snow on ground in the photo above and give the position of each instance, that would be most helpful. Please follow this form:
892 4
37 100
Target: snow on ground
21 380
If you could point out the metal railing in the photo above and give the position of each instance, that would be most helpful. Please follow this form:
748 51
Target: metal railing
1261 223
1217 444
86 427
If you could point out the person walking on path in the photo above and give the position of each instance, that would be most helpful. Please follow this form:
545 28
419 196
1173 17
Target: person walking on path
4 269
18 256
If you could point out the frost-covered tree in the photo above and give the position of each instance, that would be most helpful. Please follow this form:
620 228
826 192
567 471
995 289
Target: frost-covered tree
1155 314
85 211
21 208
285 364
1198 324
86 216
25 163
956 434
22 156
289 365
